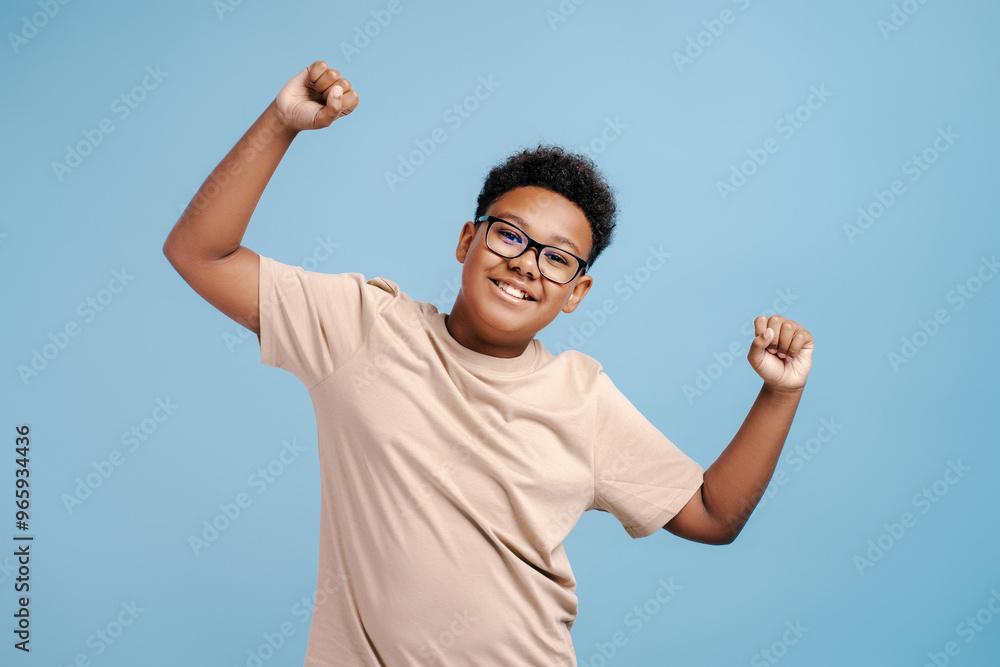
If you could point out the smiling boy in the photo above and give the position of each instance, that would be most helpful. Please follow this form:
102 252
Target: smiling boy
505 301
456 453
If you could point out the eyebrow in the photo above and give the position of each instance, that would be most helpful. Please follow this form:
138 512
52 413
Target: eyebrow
556 237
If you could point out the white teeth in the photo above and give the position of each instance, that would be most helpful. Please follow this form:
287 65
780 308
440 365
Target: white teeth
513 291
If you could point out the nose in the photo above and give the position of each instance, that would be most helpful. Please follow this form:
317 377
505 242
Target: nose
526 263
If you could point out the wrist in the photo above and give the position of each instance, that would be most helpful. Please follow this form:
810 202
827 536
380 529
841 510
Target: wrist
782 393
276 122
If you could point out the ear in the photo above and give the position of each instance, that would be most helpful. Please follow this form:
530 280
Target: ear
580 290
465 238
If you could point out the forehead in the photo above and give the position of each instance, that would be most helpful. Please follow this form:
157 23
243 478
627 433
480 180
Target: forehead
547 216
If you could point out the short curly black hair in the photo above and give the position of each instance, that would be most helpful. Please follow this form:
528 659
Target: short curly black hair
571 175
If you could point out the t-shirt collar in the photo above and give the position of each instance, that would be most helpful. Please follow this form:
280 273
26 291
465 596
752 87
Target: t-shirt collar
512 366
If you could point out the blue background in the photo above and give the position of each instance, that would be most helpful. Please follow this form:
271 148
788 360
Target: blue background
565 73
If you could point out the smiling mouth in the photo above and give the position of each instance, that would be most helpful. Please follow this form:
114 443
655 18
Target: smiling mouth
511 290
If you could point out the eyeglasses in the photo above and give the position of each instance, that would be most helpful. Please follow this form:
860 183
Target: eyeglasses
510 241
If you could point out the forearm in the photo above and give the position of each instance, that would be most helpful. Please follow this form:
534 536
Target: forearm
735 483
214 223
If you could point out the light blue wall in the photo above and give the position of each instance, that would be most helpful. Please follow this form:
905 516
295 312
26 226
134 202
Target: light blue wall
565 73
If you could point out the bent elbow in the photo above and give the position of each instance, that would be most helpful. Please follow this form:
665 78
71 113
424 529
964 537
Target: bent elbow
169 249
728 539
725 535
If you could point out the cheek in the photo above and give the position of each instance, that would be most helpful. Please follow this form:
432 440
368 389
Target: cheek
480 260
468 270
557 298
473 268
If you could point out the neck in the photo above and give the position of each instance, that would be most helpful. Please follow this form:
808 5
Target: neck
464 334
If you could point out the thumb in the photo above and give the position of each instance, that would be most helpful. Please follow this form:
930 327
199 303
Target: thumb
758 349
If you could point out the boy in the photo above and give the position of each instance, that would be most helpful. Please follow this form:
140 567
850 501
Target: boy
455 452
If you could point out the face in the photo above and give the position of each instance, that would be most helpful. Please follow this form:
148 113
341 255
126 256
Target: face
493 320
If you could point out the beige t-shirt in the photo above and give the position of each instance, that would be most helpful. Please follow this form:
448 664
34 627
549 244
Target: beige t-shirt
450 478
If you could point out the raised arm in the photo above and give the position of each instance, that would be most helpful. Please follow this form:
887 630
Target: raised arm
781 354
205 244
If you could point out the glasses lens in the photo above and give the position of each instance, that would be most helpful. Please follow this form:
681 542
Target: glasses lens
557 265
506 240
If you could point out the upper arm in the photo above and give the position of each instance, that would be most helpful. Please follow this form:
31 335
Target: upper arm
230 283
693 522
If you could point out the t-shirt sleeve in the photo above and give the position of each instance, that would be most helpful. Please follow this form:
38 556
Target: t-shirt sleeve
311 323
640 476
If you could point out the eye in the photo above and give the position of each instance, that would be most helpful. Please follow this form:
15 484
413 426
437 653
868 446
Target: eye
509 236
556 258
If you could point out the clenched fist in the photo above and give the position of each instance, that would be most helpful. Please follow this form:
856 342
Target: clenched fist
790 346
314 98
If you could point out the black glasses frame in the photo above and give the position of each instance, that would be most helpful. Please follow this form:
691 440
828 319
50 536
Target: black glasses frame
531 243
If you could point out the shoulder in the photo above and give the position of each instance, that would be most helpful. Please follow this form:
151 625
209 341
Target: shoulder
283 275
574 359
587 378
581 371
380 283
